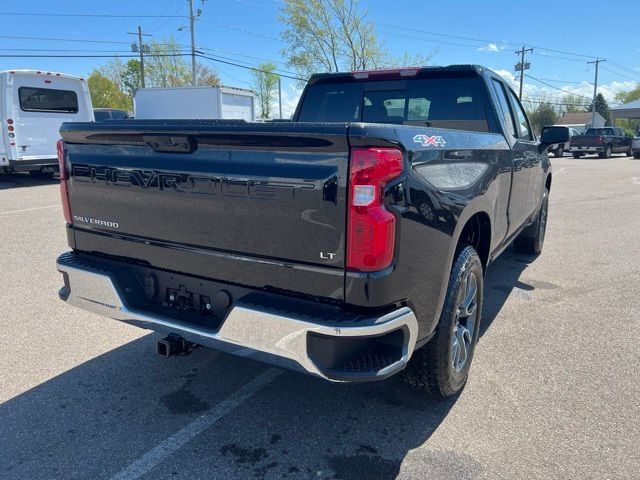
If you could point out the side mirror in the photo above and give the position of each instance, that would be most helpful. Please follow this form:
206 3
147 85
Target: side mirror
553 135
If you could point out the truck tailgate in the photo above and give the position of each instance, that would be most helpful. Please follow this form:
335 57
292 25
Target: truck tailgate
263 205
583 141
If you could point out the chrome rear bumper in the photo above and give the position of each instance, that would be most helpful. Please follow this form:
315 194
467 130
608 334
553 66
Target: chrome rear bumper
270 334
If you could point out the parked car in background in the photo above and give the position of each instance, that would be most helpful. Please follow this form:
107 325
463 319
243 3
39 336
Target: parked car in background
195 103
102 114
349 243
635 146
33 105
558 150
603 141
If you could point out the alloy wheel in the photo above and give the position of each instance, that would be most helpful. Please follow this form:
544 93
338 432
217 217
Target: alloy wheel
465 322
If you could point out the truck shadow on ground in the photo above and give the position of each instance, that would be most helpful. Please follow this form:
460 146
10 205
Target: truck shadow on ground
96 419
21 180
501 281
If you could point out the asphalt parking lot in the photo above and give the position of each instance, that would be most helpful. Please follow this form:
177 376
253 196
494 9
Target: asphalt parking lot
554 390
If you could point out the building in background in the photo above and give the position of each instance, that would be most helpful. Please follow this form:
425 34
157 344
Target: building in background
581 121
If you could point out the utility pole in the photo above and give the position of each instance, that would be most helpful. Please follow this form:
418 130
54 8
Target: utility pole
522 66
280 94
142 48
193 46
595 91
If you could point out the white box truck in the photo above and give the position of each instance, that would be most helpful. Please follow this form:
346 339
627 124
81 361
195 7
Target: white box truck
208 103
33 106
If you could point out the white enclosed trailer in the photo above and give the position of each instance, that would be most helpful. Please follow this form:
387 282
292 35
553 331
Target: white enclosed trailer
209 103
33 106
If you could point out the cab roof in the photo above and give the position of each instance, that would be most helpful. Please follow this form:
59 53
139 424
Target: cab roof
395 73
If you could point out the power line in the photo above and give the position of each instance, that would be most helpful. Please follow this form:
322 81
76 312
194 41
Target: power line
626 69
93 56
546 55
504 44
620 74
556 88
209 49
165 22
93 15
427 40
201 55
565 81
156 21
241 29
61 50
49 39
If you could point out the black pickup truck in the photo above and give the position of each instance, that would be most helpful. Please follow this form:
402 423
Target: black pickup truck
603 141
349 243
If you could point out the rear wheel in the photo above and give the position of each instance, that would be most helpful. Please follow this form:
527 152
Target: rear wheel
441 367
577 154
636 155
531 240
559 153
607 152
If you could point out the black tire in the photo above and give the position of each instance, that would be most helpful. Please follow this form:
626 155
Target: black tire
559 152
577 154
636 155
41 174
531 240
431 368
607 152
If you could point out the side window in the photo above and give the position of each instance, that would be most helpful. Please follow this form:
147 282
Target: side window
507 116
521 118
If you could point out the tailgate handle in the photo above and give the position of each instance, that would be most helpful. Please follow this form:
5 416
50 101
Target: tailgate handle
170 143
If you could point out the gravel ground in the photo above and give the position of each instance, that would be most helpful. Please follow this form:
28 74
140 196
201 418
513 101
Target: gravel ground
554 390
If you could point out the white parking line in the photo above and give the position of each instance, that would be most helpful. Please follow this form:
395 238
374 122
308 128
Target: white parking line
29 209
157 454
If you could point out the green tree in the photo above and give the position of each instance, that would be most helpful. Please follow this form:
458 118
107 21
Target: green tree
105 93
543 114
206 76
573 103
602 107
265 85
329 36
131 77
114 70
165 66
629 96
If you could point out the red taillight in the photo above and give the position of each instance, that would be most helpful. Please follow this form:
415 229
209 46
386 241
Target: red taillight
64 192
600 140
371 228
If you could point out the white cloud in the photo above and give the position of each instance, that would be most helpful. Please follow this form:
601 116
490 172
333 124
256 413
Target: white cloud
490 47
535 90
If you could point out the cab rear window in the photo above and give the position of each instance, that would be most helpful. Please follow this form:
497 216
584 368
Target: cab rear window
35 99
456 103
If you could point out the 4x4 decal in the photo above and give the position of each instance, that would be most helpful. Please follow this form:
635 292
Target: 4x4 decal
426 140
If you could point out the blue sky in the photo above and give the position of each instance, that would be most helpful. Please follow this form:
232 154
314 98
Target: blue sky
485 32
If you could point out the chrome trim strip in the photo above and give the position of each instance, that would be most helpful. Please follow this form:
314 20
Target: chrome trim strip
246 327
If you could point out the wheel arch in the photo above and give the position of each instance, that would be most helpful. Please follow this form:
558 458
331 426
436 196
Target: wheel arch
476 232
